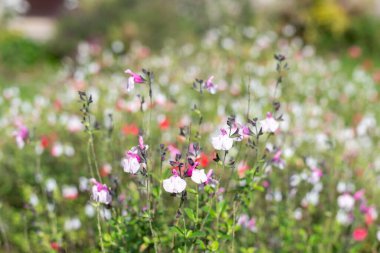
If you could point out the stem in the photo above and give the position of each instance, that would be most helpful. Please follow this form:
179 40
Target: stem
91 143
100 229
233 226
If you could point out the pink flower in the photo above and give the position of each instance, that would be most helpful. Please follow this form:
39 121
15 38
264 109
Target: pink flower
269 125
134 78
100 192
360 234
359 194
210 86
21 135
131 162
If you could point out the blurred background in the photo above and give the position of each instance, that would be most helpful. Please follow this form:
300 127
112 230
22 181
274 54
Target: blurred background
35 32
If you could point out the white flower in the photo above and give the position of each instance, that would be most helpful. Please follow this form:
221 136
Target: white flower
346 202
269 125
222 141
343 218
199 176
378 235
130 84
101 193
130 165
174 184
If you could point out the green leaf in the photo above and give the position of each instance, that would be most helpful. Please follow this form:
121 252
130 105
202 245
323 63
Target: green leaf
198 234
190 213
107 237
214 246
177 230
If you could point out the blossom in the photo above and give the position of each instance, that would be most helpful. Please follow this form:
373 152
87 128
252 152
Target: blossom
222 141
360 234
174 184
69 192
199 176
131 163
21 135
277 160
134 78
210 86
100 192
269 125
210 180
346 202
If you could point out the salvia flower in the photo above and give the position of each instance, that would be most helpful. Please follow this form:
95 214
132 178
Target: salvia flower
174 184
199 176
210 86
269 125
222 141
21 135
100 192
133 78
131 162
346 202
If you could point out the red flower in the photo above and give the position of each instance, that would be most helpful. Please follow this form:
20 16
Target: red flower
45 142
54 246
203 160
130 129
359 234
164 124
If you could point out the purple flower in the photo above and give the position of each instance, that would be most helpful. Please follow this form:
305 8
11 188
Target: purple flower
210 86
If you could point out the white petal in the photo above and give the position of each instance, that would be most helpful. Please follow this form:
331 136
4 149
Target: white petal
174 184
130 84
199 176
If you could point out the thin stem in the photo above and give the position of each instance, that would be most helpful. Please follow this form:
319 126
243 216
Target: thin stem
100 229
233 226
94 156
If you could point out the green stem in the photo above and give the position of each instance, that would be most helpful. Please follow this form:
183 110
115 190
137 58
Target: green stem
100 229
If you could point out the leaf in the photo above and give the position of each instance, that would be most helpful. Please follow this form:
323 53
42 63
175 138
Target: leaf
198 234
177 230
214 246
189 212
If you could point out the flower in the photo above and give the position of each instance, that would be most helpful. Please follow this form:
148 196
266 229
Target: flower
210 86
131 163
174 184
134 78
359 234
346 202
21 135
69 192
269 125
100 192
210 180
199 176
222 141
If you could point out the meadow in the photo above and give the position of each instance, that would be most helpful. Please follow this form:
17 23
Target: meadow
245 141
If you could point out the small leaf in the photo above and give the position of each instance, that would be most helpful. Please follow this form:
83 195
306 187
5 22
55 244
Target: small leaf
214 246
189 212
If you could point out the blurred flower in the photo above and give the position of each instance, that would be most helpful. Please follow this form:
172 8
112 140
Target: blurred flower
100 192
210 86
21 135
134 78
346 202
72 224
69 192
269 125
360 234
